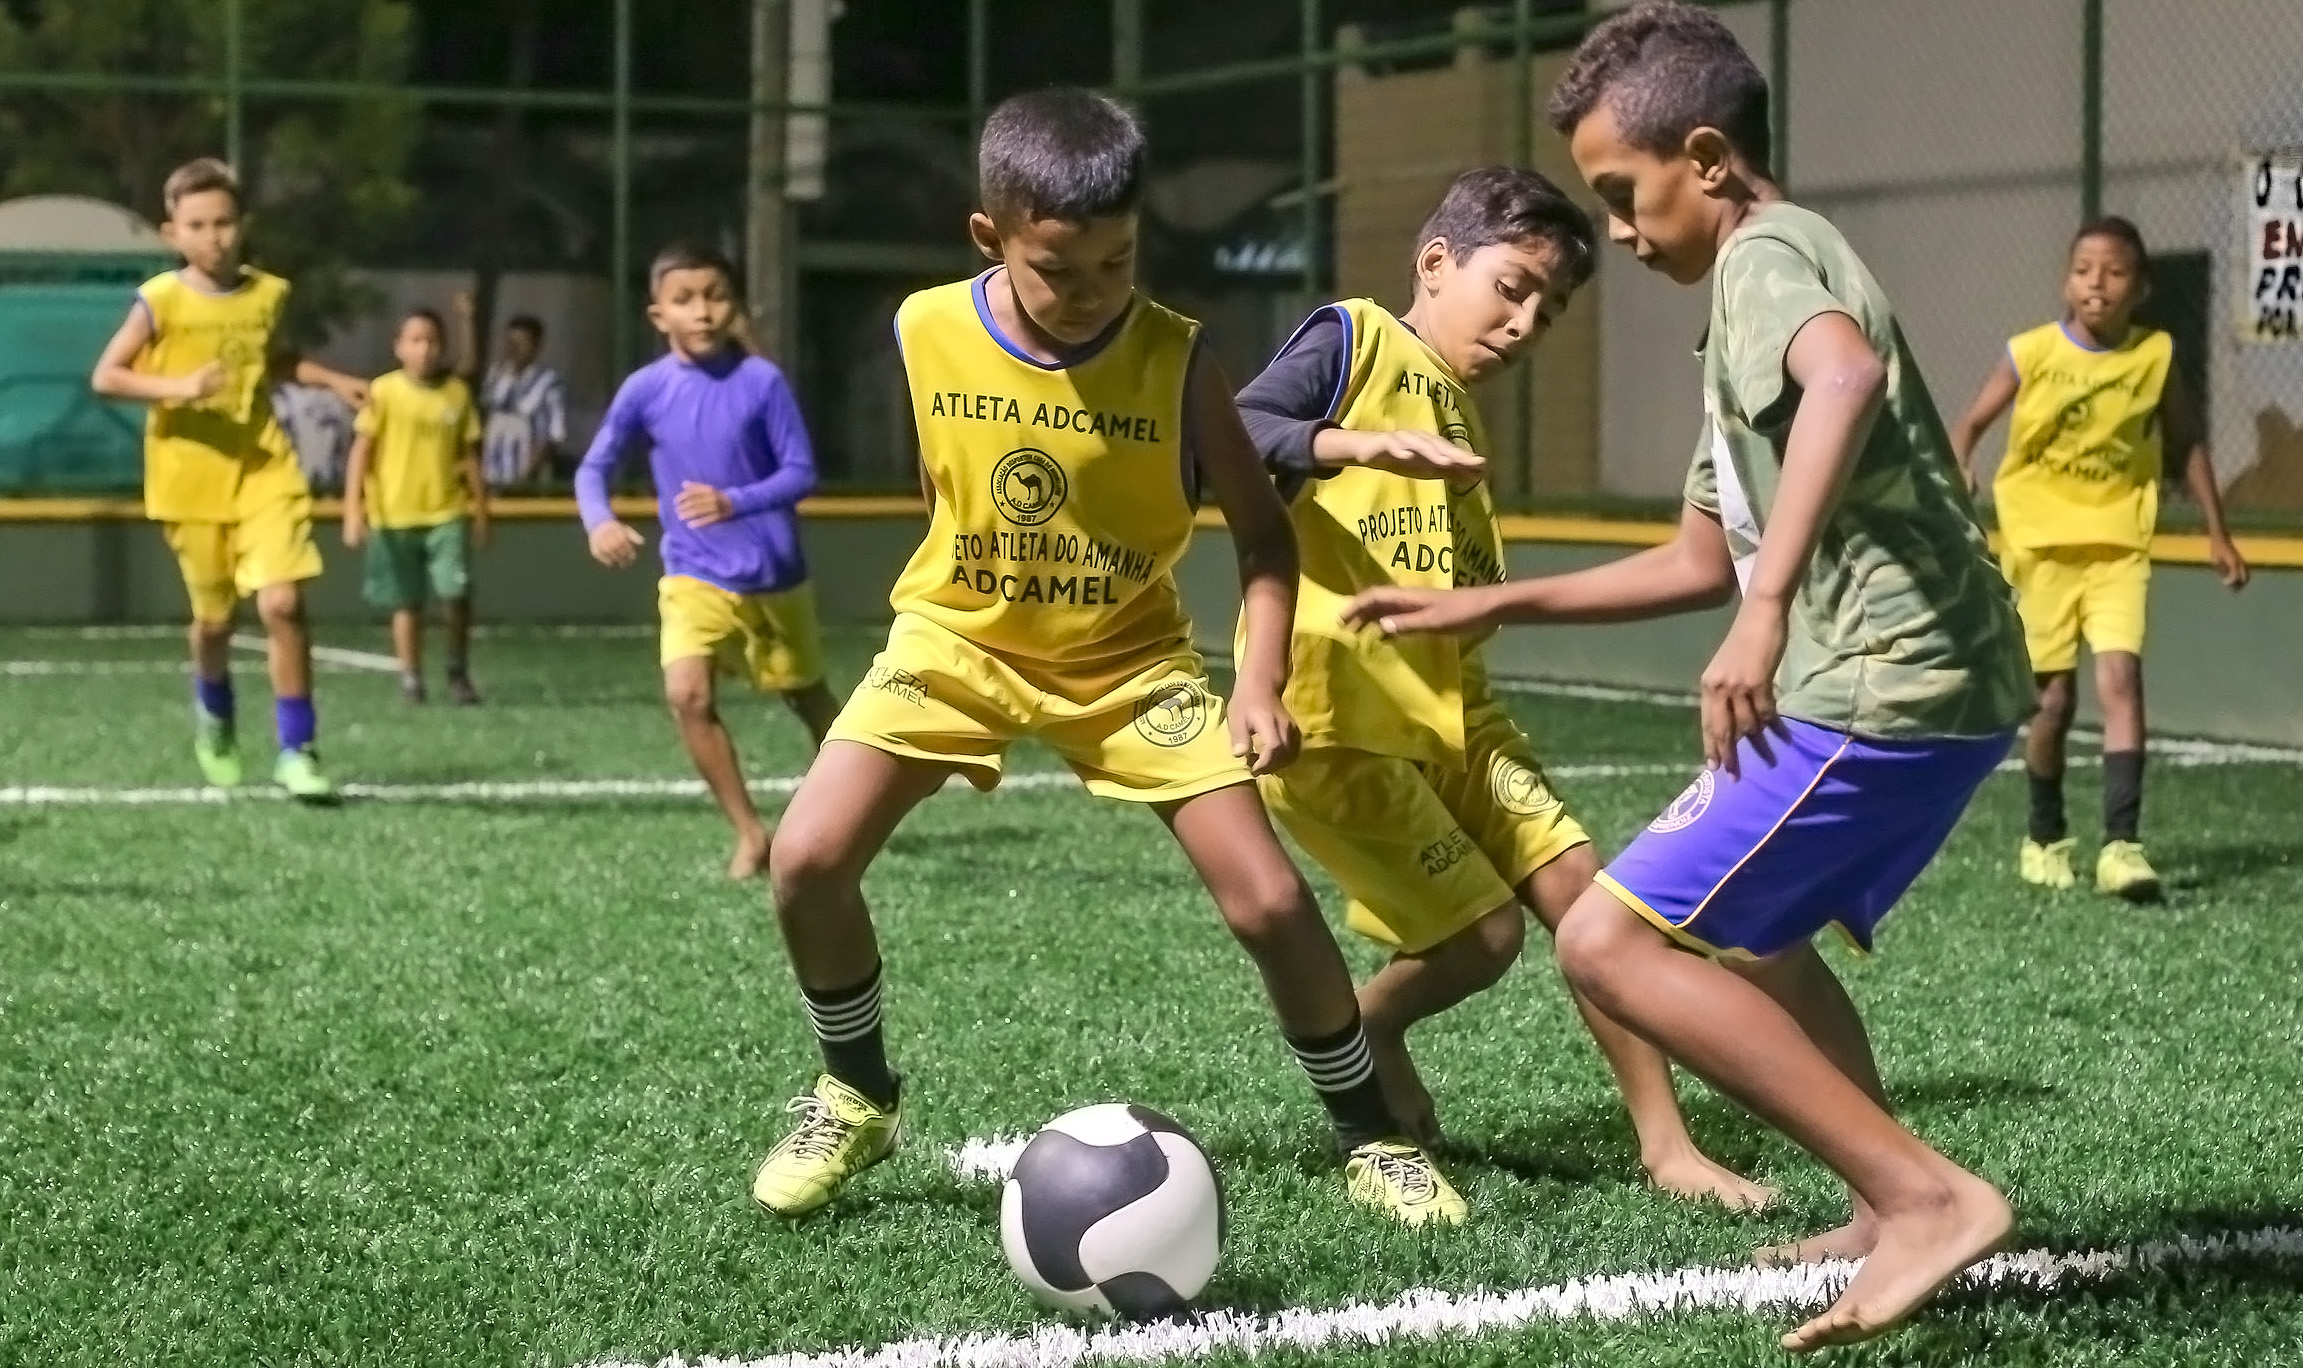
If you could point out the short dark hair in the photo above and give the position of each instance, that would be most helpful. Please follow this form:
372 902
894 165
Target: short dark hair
431 316
1065 153
688 256
1666 69
2120 230
197 177
1492 204
527 323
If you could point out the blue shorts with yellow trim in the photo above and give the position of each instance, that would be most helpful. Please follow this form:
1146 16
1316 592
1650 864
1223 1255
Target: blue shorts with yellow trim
1820 829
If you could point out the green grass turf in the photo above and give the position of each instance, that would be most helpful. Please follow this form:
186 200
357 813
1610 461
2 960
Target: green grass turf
483 1083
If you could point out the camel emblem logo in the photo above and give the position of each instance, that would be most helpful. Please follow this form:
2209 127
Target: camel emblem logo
1520 789
1028 486
1688 806
1172 714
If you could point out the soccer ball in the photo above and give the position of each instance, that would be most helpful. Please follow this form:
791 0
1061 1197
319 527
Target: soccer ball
1113 1209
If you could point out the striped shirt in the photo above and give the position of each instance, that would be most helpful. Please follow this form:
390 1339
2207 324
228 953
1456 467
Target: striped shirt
527 410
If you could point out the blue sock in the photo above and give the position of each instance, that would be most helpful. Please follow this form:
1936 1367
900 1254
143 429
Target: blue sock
297 721
214 696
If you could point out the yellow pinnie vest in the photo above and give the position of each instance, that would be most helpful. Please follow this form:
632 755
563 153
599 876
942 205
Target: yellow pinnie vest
1361 529
2085 444
1060 503
198 455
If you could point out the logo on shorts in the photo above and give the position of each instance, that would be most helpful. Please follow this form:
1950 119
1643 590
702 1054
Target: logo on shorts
1173 714
1688 806
902 683
1519 789
1028 486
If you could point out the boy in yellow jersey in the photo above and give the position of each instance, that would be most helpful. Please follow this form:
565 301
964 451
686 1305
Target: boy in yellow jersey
2098 401
201 346
1416 789
1061 414
412 495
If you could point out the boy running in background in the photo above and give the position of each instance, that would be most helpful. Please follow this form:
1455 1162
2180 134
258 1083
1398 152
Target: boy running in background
201 345
1416 789
412 495
1872 678
732 461
2098 401
1059 413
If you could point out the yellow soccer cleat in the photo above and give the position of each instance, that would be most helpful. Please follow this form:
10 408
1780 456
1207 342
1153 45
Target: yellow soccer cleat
2122 872
841 1133
1400 1180
2049 865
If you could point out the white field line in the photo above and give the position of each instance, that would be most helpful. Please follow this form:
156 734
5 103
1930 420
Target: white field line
329 655
1423 1314
20 669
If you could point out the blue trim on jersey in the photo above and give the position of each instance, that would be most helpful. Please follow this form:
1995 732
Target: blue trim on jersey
2063 326
1086 351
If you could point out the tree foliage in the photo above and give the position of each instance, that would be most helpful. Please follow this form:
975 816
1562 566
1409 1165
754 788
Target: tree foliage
325 178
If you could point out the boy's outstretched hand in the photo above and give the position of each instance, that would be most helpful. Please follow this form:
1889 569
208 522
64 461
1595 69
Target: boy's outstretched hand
1417 455
1261 731
616 544
1739 687
700 505
2230 566
1400 611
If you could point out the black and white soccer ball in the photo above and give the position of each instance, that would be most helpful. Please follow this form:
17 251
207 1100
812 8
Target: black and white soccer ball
1113 1209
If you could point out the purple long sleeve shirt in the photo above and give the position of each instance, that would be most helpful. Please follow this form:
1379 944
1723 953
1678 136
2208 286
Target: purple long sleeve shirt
729 422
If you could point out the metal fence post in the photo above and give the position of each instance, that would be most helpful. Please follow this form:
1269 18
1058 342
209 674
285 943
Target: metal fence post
1779 89
2090 110
234 58
620 186
979 67
1313 74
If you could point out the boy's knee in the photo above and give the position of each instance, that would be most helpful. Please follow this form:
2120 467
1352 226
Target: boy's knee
804 863
279 605
1491 945
689 697
2118 678
1265 910
1590 943
2057 697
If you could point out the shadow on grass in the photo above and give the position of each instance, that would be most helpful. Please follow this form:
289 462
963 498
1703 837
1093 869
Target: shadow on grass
2194 867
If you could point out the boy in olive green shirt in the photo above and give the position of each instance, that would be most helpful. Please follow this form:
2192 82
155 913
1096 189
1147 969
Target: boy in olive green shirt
1874 674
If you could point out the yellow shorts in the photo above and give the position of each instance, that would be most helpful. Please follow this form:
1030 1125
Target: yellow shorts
2065 593
1148 731
1425 850
271 543
769 639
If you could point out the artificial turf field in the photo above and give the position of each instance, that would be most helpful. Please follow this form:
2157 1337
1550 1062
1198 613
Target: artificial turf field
470 1076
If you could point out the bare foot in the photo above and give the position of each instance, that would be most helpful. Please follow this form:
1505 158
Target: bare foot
1411 1103
1918 1252
1854 1240
751 855
1691 1177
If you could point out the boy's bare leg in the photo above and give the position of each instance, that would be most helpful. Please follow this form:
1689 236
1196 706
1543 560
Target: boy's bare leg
211 644
816 709
2045 740
1934 1218
688 690
456 616
1413 988
1642 1075
1803 985
408 641
287 642
2119 689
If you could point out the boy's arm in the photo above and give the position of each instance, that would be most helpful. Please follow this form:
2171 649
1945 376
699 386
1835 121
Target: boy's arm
1998 392
1264 542
1287 411
2185 434
1691 571
1842 383
356 483
794 477
305 371
116 376
613 543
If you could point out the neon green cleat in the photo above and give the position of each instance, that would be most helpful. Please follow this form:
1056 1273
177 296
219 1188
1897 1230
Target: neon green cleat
1400 1180
298 771
841 1133
2047 865
2122 872
216 746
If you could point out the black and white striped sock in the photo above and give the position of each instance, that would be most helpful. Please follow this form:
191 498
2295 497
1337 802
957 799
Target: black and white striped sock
847 1026
1342 1070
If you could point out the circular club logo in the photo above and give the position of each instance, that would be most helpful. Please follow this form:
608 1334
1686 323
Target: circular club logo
1173 714
1688 806
1519 789
1028 486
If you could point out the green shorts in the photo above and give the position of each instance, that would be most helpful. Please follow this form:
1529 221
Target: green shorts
408 565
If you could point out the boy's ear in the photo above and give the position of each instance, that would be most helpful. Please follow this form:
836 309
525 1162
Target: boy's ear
985 234
1431 263
1713 156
